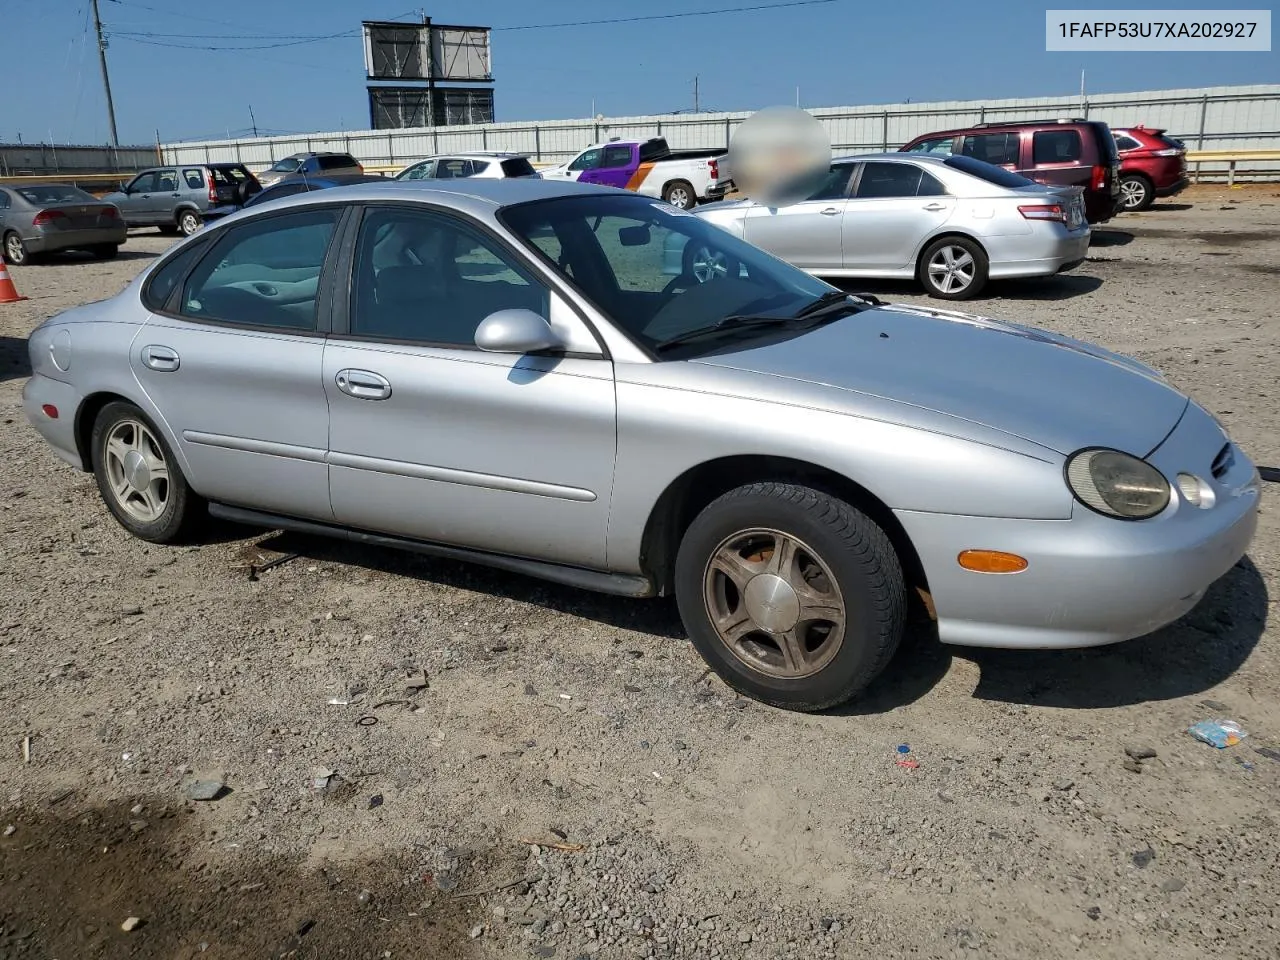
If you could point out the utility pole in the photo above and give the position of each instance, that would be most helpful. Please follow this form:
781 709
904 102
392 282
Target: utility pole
695 93
106 80
253 120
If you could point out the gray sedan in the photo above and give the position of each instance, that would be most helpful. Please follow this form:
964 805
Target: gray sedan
500 372
49 217
951 222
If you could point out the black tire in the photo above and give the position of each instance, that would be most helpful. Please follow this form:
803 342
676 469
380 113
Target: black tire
857 554
183 510
15 251
679 193
1136 193
937 286
105 251
188 222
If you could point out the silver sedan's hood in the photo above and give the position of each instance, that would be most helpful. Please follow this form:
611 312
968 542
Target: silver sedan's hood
1051 390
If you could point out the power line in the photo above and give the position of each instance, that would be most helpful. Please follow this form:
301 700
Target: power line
669 16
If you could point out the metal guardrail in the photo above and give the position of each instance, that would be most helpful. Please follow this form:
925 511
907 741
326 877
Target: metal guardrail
1231 158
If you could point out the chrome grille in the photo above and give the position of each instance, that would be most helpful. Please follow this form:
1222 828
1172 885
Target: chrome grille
1223 461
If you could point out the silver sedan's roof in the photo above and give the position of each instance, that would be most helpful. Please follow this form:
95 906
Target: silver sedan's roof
894 155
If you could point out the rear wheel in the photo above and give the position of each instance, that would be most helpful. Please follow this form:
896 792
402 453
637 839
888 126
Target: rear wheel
953 268
138 478
792 596
188 222
105 251
15 251
1136 192
679 193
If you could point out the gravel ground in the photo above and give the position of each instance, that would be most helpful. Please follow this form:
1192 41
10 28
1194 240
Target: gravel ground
570 782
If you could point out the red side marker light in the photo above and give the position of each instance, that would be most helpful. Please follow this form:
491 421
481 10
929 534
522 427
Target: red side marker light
50 411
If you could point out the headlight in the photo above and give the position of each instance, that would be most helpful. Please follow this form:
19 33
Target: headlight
1117 484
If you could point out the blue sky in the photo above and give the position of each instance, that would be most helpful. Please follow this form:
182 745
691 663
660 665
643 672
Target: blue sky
838 52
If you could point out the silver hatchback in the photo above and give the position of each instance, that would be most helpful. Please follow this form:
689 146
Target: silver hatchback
953 223
499 371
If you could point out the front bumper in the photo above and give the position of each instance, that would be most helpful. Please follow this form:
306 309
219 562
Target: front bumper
1092 579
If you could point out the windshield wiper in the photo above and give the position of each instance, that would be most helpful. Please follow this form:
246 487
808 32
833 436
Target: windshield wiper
837 298
735 322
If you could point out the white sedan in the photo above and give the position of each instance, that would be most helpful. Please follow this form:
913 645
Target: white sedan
458 166
953 223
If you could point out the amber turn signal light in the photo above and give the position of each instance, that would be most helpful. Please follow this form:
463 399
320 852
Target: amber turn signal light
991 561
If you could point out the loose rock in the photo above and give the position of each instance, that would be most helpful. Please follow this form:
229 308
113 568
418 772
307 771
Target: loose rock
130 924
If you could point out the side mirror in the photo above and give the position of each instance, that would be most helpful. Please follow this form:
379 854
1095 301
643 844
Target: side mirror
637 236
516 331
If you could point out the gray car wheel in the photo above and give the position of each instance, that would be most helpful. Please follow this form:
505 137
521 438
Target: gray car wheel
188 222
792 596
138 478
953 268
15 251
1136 193
679 193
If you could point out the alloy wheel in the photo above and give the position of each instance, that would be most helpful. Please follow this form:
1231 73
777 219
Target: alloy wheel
952 269
707 264
1133 193
137 473
774 603
15 252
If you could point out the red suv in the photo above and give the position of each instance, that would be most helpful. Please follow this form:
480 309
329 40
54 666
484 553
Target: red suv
1071 153
1151 165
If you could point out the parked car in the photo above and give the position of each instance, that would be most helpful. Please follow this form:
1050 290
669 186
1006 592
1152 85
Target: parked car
682 178
950 222
1053 152
501 372
41 218
462 165
310 163
177 198
288 187
1151 165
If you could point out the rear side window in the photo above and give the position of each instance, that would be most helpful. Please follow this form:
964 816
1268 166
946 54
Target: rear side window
985 171
337 162
1125 142
478 166
166 276
1056 146
616 156
997 148
518 167
265 273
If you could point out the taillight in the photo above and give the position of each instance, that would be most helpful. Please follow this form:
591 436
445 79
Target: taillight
715 169
45 217
1099 177
111 213
213 189
1044 211
1170 152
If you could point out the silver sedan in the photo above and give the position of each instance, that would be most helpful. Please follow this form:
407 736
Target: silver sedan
500 372
953 223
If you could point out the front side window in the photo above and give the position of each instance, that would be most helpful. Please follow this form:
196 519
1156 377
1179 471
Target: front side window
144 183
420 171
659 273
265 273
426 278
1055 146
882 181
287 165
998 148
587 161
836 184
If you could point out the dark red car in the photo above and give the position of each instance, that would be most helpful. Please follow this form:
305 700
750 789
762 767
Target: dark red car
1059 153
1151 165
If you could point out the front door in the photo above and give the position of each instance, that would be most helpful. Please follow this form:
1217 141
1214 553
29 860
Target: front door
616 167
232 359
434 439
895 206
808 233
136 201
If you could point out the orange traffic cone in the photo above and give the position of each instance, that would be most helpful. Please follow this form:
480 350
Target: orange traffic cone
8 292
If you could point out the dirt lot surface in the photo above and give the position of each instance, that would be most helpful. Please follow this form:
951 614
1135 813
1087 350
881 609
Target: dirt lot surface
571 782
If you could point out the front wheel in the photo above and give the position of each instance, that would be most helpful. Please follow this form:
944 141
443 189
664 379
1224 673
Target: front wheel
953 268
138 478
1136 193
792 596
188 222
679 193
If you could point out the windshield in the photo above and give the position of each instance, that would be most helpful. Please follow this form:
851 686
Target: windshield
55 193
287 165
988 172
656 271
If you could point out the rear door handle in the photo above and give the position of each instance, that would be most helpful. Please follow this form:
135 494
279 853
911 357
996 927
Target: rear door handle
935 206
162 359
363 384
830 211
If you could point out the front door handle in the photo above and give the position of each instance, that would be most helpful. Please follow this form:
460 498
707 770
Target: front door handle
830 211
935 206
161 359
363 384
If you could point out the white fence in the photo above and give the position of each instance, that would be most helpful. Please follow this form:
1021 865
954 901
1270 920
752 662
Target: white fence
1210 118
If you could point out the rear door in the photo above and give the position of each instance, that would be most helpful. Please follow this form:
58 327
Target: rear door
808 233
1057 158
1000 149
894 207
232 357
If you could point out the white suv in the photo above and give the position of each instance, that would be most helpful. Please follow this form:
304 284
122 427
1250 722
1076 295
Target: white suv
457 165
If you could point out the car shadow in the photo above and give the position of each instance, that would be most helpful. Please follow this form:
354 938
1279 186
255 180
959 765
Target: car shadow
1102 237
1063 286
78 256
15 361
1159 207
658 617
